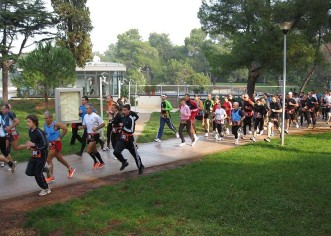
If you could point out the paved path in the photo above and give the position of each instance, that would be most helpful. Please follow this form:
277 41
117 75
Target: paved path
152 154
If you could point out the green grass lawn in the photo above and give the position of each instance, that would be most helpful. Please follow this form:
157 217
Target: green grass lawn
256 189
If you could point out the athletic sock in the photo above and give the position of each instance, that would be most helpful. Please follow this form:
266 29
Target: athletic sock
93 157
98 156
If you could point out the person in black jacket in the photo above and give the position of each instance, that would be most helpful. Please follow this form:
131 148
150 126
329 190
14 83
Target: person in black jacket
126 140
38 146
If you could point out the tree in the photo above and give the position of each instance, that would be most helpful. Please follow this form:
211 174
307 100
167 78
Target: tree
163 45
45 68
20 21
74 28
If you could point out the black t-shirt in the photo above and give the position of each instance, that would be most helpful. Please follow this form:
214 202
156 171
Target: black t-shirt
290 100
310 101
275 106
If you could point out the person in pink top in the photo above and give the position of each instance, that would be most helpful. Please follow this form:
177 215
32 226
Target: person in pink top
185 114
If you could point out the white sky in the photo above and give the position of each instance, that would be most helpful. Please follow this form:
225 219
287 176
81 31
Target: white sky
113 17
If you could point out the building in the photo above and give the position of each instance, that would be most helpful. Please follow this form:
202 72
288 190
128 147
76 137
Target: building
111 75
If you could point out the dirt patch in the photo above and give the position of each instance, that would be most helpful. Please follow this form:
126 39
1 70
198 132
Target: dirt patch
13 211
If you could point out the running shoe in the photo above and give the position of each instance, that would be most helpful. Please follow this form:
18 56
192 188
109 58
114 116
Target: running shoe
286 131
236 141
249 132
13 168
253 139
267 140
71 172
297 125
177 135
45 192
206 134
141 169
2 164
193 143
50 179
196 137
157 140
227 132
124 164
242 137
182 144
95 166
220 139
102 165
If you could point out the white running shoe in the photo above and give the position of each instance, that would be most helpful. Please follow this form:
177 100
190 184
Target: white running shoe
216 136
236 141
261 132
2 164
177 135
182 144
192 144
227 132
297 126
249 132
157 140
220 139
206 134
253 139
45 192
196 137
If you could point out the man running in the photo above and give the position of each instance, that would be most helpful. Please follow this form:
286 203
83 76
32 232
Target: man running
165 118
208 109
219 119
194 110
311 106
275 110
237 117
54 137
290 107
126 140
38 146
247 107
92 123
5 158
259 112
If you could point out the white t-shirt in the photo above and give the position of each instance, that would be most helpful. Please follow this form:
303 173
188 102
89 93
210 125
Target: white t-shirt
91 121
327 99
220 114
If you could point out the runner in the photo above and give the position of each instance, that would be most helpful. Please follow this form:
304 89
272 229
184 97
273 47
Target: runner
54 138
237 117
194 110
92 123
311 107
200 113
38 146
219 119
116 125
165 118
259 112
290 106
247 107
228 108
126 140
208 106
302 108
327 99
110 116
185 121
5 158
275 110
11 121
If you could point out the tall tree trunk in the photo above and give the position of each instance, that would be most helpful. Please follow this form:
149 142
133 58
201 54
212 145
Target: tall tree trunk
5 77
46 100
308 78
253 74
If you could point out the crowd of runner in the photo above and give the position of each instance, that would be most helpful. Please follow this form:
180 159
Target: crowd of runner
246 117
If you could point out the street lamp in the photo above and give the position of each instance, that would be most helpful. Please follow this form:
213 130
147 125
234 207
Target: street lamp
285 27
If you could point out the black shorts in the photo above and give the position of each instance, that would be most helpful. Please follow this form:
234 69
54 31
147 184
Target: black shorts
289 116
92 137
206 115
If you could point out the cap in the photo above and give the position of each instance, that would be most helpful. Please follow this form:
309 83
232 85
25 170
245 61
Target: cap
164 95
290 93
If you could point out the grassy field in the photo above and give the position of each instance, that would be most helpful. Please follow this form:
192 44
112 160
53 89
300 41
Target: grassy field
256 189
